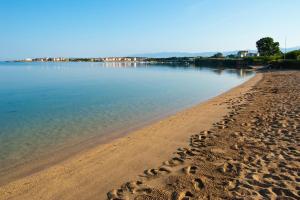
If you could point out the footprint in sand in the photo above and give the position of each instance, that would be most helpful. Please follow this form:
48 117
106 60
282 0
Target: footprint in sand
116 194
226 167
198 184
150 173
165 170
184 153
182 195
131 187
128 189
190 170
174 162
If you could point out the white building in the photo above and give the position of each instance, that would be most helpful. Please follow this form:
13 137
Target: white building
242 54
28 60
245 53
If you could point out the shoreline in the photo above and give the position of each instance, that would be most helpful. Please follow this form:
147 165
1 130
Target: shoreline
53 157
46 160
132 151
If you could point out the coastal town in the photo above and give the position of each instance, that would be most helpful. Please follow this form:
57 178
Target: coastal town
239 54
61 59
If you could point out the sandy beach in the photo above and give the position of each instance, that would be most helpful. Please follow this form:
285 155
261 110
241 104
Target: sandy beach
241 144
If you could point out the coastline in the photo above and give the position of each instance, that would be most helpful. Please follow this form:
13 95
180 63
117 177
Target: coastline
91 173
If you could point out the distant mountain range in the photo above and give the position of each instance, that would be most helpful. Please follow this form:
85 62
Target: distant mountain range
291 49
203 54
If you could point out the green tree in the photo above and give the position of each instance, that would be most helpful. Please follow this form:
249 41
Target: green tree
231 56
293 54
218 55
267 47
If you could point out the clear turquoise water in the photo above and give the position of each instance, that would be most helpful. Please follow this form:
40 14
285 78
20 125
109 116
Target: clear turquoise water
47 106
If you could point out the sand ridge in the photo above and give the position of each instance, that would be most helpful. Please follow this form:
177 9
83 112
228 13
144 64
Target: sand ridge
252 153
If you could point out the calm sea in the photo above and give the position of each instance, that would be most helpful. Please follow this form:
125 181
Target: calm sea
45 107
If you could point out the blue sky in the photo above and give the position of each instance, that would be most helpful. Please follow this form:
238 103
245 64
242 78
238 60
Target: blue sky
94 28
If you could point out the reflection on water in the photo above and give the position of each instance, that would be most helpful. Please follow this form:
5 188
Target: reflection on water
239 72
46 106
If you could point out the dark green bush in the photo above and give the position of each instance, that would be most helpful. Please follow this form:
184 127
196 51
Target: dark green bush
293 54
285 64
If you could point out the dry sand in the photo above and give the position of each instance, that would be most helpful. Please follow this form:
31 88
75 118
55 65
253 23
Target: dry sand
251 151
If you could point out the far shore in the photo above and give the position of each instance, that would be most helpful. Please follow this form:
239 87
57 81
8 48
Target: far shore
93 172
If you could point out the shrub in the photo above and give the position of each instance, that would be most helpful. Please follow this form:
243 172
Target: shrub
285 64
293 54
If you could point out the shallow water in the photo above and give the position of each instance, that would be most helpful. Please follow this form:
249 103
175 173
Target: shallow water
47 106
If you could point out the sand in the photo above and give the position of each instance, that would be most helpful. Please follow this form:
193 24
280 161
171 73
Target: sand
242 144
252 153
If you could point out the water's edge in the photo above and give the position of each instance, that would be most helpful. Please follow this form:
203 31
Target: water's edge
62 154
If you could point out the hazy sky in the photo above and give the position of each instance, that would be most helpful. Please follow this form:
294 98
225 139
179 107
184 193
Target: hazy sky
93 28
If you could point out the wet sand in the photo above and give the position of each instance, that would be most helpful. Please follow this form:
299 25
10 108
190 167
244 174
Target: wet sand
233 145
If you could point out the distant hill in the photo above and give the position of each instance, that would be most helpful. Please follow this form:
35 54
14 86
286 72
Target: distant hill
195 54
184 54
290 49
